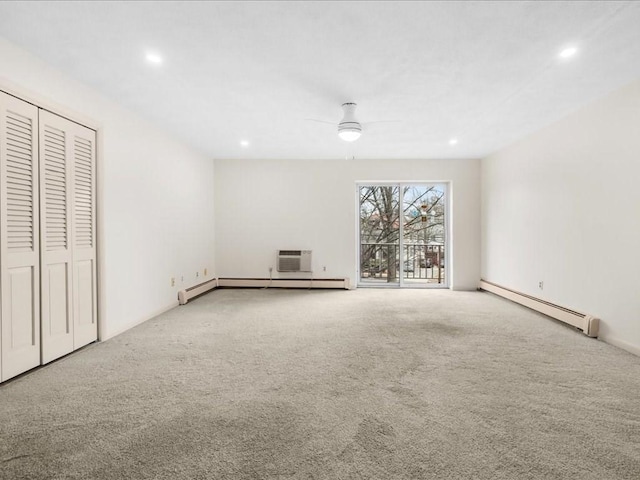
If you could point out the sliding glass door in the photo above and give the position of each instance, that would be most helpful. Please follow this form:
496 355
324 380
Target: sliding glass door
402 235
380 234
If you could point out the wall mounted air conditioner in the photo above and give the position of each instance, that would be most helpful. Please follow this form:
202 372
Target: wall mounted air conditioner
294 261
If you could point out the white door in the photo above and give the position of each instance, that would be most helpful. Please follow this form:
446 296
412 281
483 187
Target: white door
56 156
67 177
19 237
85 291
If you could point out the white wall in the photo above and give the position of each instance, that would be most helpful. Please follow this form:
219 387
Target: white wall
265 205
562 206
157 199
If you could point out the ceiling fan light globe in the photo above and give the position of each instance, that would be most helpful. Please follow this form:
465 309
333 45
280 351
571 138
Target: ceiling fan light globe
349 135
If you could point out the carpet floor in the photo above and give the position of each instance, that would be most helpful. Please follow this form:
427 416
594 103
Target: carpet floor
364 384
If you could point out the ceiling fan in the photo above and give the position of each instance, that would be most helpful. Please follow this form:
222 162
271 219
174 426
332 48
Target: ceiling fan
349 128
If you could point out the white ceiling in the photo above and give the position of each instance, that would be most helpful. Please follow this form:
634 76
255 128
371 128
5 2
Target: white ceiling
487 73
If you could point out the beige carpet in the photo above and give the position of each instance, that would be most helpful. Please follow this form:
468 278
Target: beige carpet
366 384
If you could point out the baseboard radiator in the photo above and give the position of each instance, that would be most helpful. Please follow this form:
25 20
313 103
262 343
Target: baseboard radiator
588 324
336 283
185 295
340 283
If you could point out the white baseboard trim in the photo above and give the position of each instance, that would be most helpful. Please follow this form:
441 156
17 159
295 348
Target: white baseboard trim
129 326
308 283
339 283
634 349
588 324
188 293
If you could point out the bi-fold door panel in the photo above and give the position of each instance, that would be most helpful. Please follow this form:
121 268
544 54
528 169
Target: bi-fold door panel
19 238
85 311
67 163
55 230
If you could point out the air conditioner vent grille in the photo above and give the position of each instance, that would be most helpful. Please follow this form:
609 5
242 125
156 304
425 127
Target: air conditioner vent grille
290 253
289 264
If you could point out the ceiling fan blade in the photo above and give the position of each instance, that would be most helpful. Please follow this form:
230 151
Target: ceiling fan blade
320 121
380 121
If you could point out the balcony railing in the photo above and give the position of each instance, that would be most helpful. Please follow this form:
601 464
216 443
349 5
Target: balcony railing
420 262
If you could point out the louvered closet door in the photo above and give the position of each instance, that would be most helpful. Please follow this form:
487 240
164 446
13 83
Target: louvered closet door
85 311
19 237
67 196
56 266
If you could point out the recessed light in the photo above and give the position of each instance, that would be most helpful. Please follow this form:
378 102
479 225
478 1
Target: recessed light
453 141
244 143
154 58
568 52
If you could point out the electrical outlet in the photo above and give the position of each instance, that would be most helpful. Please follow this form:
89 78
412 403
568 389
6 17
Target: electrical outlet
197 274
205 272
181 278
270 269
324 268
541 285
173 281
